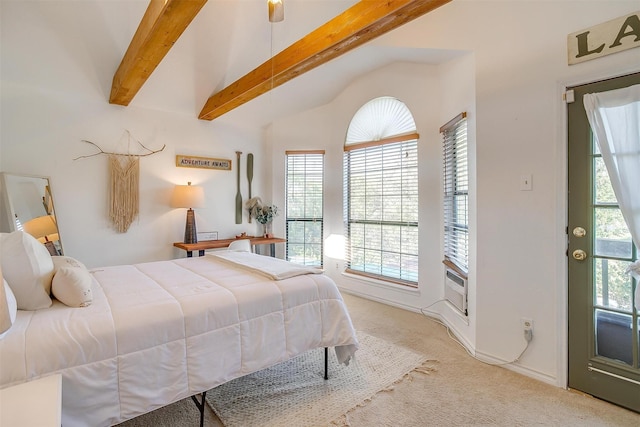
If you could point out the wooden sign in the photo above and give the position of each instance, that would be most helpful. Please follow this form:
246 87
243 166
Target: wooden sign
604 39
202 162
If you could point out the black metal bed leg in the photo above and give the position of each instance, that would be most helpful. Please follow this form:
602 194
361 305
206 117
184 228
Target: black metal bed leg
326 363
200 406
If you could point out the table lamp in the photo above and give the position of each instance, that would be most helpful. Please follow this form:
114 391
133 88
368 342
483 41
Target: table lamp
188 196
45 229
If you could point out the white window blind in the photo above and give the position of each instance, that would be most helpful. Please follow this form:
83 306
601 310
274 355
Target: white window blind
304 204
456 193
378 119
381 209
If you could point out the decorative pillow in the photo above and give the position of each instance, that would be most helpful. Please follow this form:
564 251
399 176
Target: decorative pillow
28 269
8 309
71 283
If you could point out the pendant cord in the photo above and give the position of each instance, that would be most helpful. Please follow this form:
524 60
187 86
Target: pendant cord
271 53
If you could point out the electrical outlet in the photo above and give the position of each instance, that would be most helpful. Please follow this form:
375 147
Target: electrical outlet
527 328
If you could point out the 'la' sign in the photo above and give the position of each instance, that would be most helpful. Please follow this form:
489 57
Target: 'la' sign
610 37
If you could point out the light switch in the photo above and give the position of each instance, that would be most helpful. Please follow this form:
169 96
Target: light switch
525 183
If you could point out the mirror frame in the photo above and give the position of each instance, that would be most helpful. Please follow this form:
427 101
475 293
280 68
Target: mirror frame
8 213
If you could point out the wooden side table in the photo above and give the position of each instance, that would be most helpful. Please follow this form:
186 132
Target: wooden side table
16 403
223 243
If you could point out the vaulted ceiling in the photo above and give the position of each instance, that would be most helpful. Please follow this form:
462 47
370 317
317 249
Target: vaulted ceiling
324 36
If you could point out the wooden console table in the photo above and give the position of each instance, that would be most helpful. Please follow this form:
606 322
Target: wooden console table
223 243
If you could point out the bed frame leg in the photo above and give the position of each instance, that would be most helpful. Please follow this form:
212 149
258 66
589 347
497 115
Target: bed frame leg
326 363
200 406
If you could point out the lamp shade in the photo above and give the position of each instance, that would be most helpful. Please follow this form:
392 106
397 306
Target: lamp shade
276 10
43 228
334 246
187 196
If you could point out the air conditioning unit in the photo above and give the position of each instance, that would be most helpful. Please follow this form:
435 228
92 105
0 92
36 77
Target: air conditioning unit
455 290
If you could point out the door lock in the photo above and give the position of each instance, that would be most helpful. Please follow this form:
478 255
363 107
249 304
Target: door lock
579 232
579 255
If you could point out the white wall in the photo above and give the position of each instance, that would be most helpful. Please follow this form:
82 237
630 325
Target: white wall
54 94
516 72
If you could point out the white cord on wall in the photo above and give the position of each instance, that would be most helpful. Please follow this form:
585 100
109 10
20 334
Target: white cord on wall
424 311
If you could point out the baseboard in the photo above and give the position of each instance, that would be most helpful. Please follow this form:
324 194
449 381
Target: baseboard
379 299
548 379
483 357
437 316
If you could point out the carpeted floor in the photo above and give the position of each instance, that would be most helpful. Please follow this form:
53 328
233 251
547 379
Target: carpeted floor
295 392
462 391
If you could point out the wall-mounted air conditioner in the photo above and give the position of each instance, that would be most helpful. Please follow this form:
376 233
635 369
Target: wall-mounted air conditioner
455 290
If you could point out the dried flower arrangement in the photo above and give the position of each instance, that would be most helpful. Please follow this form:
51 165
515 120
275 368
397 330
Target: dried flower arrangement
264 214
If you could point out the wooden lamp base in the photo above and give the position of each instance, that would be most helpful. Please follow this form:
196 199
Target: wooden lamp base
190 235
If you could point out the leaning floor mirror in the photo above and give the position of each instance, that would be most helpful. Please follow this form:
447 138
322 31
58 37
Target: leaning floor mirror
28 205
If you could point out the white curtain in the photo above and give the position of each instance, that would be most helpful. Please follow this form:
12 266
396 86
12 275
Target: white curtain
614 117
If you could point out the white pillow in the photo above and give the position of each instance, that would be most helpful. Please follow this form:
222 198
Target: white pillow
71 283
10 305
28 269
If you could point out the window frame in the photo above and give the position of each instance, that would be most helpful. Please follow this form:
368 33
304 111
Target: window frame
403 142
455 186
289 220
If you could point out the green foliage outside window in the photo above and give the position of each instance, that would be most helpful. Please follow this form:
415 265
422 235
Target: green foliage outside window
614 250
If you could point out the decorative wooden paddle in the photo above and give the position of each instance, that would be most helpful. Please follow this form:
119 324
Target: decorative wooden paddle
238 195
250 176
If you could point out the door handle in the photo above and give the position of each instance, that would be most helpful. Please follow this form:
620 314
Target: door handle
579 255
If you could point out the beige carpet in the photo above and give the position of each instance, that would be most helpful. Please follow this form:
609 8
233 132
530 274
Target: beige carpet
462 392
294 393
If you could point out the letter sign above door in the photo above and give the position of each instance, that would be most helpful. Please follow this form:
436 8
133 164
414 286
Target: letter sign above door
603 39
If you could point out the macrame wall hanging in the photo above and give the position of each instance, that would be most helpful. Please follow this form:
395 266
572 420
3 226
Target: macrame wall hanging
124 179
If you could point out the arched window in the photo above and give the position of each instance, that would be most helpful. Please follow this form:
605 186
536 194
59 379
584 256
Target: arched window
381 192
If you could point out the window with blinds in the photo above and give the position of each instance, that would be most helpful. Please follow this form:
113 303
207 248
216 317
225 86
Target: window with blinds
381 193
456 194
304 189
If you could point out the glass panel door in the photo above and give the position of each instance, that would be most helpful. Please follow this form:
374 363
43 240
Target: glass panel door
604 339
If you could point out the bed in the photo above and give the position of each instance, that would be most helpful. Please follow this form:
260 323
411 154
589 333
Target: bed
159 332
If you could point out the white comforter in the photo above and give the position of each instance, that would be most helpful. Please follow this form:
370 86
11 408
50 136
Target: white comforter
162 331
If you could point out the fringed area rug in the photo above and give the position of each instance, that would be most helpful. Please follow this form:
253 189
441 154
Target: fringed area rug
294 393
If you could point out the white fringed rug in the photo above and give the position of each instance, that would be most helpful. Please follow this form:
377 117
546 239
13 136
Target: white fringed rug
294 393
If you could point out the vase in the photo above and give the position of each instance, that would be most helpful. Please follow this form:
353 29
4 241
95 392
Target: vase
267 230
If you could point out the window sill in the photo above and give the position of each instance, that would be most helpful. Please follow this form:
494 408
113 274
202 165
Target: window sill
382 283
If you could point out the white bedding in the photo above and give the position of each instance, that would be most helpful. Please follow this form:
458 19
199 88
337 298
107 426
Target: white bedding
162 331
273 268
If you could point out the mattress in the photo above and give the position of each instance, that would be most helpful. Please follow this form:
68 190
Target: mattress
161 331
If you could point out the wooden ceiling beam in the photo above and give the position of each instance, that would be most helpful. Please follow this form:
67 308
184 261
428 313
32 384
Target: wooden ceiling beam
161 26
359 24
